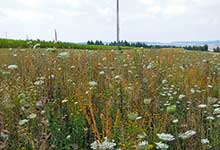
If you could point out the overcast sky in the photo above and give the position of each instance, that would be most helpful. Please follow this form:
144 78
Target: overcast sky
82 20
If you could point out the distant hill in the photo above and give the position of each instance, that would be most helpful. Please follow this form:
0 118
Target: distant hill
196 43
187 43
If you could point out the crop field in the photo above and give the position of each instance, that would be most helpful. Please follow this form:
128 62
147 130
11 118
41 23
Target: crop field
141 99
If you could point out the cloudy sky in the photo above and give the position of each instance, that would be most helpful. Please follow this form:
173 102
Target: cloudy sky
82 20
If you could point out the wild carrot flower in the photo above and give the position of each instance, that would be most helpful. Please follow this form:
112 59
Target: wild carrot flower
216 111
202 106
210 118
187 134
101 72
212 100
175 121
32 116
93 83
181 96
161 146
12 67
141 145
105 145
205 141
39 83
22 122
166 137
63 55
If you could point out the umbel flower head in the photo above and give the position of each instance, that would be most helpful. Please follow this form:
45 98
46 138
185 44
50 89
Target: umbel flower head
93 83
105 145
63 55
166 137
12 67
187 134
162 146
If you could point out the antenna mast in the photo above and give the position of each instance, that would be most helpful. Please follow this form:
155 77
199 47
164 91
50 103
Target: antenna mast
6 35
55 35
118 28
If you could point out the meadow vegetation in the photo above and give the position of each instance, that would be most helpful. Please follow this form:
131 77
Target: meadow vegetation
56 99
11 43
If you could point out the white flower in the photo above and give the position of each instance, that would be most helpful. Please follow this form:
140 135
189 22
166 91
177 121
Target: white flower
210 118
164 81
93 83
150 66
39 82
117 77
166 137
105 145
125 65
12 67
205 141
51 76
101 72
212 100
68 137
73 67
175 121
202 106
22 122
209 86
141 135
181 96
64 101
32 116
216 105
51 49
64 55
138 118
192 91
216 111
143 143
187 134
162 146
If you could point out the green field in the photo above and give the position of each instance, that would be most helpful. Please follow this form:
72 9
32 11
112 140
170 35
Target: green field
56 99
11 43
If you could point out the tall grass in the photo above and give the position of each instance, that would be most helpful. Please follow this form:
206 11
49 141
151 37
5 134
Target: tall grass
141 99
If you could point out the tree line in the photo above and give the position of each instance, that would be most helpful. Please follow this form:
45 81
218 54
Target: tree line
98 44
10 43
145 45
217 49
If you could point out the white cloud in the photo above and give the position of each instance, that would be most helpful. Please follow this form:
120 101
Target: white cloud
31 3
80 20
27 16
2 14
147 2
175 10
69 13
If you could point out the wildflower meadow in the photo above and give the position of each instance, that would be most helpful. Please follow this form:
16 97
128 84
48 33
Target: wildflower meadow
136 99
